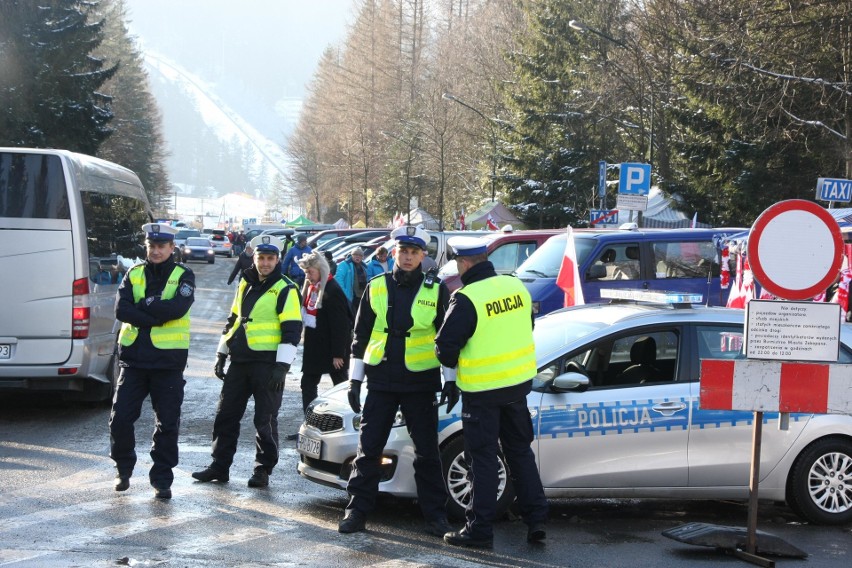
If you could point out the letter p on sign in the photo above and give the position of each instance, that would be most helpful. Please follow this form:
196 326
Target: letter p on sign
634 179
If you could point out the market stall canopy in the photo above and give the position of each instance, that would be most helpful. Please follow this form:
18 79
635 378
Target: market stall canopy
300 221
419 216
499 213
341 224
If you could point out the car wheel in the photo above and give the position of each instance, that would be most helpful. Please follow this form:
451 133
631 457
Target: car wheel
211 260
458 486
820 485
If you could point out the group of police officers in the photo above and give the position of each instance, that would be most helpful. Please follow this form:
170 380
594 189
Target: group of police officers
410 333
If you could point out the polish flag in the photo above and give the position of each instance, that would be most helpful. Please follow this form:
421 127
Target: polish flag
569 274
489 222
462 226
399 220
736 298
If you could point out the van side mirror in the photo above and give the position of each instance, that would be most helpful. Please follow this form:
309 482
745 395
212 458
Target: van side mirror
596 272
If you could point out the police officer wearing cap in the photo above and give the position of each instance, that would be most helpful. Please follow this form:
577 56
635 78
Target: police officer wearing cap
261 335
487 339
395 327
153 305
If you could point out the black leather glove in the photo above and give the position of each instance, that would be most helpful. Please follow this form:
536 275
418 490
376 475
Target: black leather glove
355 395
449 394
219 367
276 380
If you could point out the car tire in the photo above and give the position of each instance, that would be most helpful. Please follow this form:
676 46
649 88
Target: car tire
458 487
211 260
819 488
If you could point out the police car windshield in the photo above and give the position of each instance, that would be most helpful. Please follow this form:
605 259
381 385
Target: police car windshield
546 260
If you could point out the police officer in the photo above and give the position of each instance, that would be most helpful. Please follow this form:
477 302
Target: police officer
153 305
487 338
395 327
260 336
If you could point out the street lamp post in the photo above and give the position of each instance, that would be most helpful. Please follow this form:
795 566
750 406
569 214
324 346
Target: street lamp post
490 121
580 26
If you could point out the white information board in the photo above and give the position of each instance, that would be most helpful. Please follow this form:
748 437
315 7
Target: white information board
792 331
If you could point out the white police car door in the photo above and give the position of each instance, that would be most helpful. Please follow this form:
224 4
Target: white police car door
721 440
630 429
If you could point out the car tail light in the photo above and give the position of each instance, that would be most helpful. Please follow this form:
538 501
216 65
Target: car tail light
80 310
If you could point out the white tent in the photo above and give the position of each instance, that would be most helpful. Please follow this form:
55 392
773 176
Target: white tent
419 216
341 224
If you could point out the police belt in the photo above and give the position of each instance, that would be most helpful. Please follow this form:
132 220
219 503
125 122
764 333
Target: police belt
397 332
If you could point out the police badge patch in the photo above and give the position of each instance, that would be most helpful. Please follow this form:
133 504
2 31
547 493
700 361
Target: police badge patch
185 290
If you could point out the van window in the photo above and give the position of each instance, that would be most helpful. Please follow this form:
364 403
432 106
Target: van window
547 259
685 259
113 224
618 261
508 257
32 186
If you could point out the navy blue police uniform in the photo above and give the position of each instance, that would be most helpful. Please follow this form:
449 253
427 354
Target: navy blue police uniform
488 416
392 386
149 370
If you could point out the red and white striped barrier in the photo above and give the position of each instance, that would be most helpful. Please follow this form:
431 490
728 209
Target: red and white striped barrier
776 386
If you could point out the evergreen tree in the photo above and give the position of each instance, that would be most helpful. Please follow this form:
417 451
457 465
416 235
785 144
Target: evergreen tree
50 79
137 142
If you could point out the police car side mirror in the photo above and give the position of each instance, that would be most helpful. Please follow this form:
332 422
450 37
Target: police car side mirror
570 382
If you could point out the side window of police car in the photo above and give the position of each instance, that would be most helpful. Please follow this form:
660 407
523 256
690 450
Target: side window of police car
638 359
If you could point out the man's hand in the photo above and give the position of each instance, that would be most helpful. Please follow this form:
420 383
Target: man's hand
219 367
449 394
276 380
355 395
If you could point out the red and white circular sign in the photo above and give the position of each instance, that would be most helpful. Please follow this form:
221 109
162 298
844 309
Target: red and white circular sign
795 249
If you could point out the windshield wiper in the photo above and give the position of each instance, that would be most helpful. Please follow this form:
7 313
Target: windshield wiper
535 272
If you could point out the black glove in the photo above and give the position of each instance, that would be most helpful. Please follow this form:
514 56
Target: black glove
276 380
355 395
219 367
449 394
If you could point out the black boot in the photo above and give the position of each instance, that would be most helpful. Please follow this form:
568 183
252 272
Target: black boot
353 521
260 478
212 473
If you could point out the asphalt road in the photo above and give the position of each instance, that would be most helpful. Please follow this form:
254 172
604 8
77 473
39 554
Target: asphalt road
58 508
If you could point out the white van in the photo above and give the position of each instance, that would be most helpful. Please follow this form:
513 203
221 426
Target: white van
66 223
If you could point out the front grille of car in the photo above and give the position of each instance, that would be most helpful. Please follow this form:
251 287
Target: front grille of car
342 471
324 422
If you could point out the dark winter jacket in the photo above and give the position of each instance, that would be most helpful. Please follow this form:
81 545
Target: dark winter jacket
142 354
332 336
244 262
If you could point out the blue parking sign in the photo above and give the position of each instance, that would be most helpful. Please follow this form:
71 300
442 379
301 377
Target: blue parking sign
634 179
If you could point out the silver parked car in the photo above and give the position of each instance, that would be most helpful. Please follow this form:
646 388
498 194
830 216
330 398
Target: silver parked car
616 413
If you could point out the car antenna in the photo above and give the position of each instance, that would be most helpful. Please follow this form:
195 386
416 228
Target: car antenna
709 281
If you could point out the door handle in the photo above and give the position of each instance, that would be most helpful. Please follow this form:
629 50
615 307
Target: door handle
669 408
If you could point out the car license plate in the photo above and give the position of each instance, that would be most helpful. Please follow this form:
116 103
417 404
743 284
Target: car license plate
5 351
309 446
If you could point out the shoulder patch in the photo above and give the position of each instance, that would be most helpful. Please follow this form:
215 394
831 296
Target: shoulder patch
185 290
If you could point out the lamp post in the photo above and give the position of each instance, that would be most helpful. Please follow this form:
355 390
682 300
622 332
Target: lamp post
490 121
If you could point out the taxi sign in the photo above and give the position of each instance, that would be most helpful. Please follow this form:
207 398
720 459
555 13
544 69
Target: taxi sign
661 297
829 189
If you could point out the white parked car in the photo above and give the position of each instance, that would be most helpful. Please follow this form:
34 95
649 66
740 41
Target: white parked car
616 413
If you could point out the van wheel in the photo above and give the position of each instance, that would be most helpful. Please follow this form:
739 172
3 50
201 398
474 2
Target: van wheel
455 476
211 261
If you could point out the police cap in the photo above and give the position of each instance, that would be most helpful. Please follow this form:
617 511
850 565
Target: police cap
468 246
269 244
159 232
409 235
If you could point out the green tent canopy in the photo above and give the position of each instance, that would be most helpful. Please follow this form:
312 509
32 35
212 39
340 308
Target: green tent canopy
300 221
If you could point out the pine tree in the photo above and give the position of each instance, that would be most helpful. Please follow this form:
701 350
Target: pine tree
50 80
137 142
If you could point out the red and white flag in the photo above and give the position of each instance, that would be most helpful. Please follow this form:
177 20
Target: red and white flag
569 274
462 226
399 220
489 222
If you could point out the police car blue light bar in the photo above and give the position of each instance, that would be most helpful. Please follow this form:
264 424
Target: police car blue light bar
661 297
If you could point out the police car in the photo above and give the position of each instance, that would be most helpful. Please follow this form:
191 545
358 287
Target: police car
616 412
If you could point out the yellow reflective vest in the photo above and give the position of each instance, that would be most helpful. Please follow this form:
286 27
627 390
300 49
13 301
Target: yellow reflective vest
263 325
420 341
501 352
173 334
